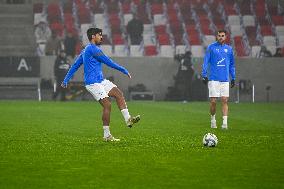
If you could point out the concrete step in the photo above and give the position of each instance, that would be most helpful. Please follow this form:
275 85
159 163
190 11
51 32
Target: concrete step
10 19
15 40
16 9
16 29
12 50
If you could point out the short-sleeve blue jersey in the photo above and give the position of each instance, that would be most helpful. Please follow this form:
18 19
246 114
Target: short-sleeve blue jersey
92 57
219 63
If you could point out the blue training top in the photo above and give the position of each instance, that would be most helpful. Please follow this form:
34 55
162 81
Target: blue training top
220 60
92 57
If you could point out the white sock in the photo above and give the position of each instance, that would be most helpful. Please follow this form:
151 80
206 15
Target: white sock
106 131
125 114
225 118
213 118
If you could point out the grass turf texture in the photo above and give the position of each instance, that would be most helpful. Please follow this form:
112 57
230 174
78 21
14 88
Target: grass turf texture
59 145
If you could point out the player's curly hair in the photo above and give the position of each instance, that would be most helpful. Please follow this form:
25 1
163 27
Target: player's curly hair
222 31
93 31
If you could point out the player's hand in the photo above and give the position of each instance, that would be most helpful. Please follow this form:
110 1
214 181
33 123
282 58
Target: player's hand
64 85
205 80
129 75
232 83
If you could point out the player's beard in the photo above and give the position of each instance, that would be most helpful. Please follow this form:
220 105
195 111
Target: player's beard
222 41
99 42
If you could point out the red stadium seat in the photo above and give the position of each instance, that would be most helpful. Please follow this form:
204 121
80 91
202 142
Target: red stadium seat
157 8
126 9
160 29
58 28
266 30
117 39
277 20
164 39
150 50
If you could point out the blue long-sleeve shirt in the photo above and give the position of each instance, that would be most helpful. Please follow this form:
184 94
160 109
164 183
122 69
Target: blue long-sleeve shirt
92 57
220 60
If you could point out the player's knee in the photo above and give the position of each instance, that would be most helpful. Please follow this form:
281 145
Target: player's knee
224 100
107 105
213 102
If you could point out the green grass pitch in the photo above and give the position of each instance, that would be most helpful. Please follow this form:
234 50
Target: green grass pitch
59 145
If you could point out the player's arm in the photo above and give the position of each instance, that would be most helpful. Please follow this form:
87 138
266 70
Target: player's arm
72 70
100 56
205 65
232 69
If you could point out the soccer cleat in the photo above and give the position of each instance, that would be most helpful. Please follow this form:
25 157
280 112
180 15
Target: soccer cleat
133 120
213 124
110 138
224 126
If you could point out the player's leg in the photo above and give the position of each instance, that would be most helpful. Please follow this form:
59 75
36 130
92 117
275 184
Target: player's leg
225 108
214 93
120 100
213 102
106 104
224 99
98 92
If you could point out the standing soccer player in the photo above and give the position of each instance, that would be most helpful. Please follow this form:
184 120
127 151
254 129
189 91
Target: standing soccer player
219 58
92 57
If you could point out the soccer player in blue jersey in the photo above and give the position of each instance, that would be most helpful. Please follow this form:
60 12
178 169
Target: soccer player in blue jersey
92 57
217 68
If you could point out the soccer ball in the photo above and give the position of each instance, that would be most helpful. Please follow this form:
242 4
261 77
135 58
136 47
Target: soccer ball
210 140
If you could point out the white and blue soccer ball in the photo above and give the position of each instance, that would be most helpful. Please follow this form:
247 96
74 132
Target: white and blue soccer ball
210 140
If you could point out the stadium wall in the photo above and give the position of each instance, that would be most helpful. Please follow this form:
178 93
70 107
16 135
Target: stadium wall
157 74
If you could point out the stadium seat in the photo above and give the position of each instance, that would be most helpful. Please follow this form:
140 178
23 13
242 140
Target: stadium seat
208 39
271 48
149 39
180 49
281 41
157 8
84 28
163 39
263 21
126 8
150 50
120 51
233 20
117 39
107 49
279 30
248 20
136 51
100 22
255 51
166 51
266 30
269 41
179 39
277 20
57 28
194 39
39 17
127 18
236 30
197 51
159 19
148 29
160 29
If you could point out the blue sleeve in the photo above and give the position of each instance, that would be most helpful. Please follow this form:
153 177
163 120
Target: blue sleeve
206 63
232 68
74 68
100 56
